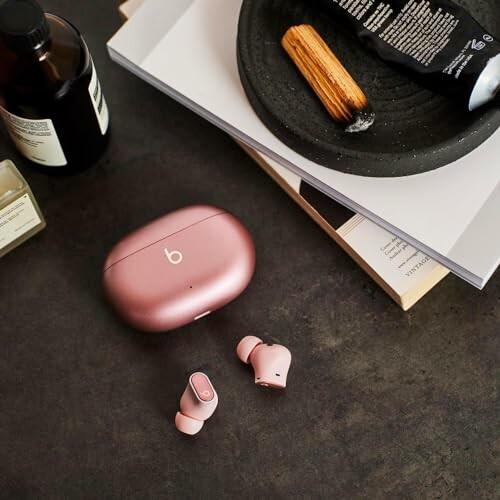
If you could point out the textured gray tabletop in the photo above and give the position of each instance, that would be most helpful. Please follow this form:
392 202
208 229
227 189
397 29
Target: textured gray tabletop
380 403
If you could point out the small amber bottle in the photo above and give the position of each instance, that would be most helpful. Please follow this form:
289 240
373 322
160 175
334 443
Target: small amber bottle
50 97
20 217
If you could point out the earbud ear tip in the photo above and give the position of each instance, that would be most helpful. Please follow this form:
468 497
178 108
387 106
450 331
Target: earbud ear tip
187 425
246 346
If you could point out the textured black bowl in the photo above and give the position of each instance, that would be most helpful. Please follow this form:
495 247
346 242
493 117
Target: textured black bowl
415 131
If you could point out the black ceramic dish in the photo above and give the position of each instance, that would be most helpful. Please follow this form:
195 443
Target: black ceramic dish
415 131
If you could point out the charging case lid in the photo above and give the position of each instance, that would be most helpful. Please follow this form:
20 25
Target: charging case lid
158 230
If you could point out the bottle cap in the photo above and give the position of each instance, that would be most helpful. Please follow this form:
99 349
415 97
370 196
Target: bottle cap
23 25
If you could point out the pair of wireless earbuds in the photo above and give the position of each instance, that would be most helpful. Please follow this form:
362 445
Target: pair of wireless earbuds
270 362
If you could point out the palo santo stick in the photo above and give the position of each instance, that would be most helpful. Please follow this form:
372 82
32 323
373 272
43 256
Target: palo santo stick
332 83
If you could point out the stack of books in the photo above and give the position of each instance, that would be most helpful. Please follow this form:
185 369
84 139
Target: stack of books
406 233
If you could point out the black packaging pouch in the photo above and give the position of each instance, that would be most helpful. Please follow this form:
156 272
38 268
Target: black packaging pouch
436 40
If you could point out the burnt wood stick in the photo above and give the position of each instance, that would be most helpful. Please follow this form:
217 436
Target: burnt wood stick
330 80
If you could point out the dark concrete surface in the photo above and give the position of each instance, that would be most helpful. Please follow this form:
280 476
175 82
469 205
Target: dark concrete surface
380 403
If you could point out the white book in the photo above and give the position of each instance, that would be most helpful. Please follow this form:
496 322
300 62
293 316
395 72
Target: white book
450 214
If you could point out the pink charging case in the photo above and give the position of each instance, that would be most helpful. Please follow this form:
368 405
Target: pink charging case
179 268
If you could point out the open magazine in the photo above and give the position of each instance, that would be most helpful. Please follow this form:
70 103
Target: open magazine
451 214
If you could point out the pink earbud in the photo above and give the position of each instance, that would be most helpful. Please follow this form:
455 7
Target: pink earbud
270 362
198 403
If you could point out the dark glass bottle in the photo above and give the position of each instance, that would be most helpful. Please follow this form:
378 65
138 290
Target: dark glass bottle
50 98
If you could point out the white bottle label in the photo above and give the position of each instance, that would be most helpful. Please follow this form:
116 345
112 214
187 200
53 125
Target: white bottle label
16 219
98 101
37 140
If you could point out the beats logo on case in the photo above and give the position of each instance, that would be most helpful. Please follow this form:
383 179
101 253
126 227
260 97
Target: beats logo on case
198 402
270 362
174 257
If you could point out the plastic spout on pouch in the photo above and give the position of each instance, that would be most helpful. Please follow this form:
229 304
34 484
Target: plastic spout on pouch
487 87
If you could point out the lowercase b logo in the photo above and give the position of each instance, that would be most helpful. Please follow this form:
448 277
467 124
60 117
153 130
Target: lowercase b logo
174 257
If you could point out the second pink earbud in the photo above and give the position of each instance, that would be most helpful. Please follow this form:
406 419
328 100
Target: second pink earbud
198 402
270 362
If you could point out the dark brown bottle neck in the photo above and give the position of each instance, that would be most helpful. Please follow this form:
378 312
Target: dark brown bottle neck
49 69
31 72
